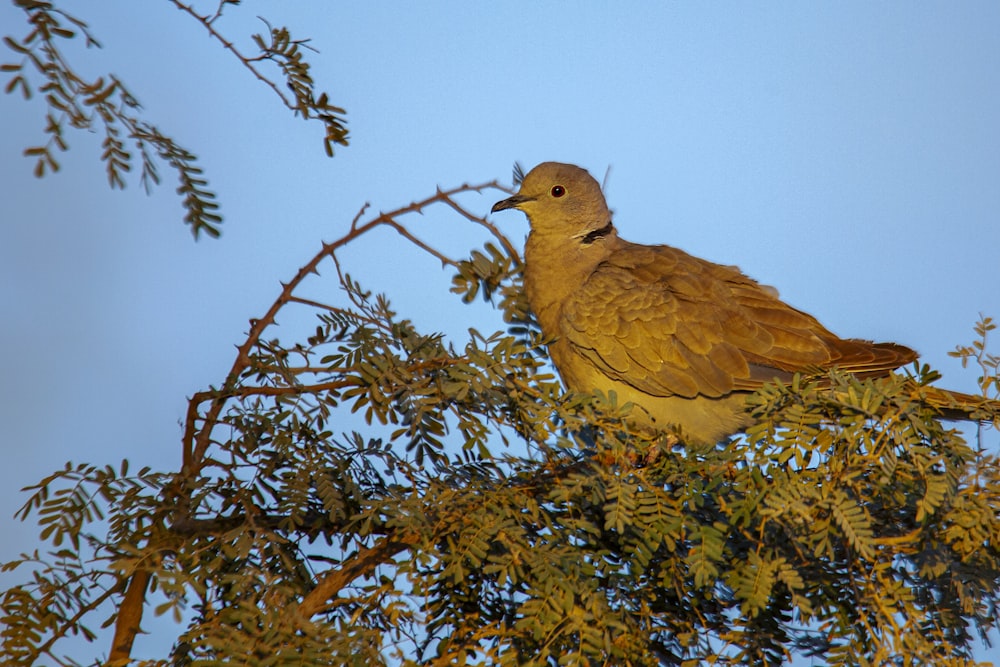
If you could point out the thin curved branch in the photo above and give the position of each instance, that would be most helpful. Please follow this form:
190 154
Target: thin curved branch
207 22
284 52
482 221
59 633
197 441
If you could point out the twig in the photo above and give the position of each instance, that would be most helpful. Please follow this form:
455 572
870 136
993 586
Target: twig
59 633
405 233
243 392
360 213
482 221
229 46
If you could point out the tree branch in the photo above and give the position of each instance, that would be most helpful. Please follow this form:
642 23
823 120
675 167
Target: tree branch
360 565
229 46
129 617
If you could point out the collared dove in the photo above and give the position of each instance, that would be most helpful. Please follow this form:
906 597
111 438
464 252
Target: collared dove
685 340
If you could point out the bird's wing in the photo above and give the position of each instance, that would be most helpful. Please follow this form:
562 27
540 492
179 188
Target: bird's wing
672 324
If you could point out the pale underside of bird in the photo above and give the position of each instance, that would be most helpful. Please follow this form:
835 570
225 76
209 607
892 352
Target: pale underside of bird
683 339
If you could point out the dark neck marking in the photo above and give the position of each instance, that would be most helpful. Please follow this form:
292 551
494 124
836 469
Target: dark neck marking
598 233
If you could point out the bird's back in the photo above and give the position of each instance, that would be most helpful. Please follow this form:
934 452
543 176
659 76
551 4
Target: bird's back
687 339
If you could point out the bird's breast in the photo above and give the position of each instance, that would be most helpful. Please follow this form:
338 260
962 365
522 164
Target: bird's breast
555 269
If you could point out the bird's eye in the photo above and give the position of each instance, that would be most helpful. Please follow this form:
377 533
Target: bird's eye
558 191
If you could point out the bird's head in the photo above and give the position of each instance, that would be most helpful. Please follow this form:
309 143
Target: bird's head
560 199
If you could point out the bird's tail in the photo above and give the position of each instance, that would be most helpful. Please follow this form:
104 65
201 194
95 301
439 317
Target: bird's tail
958 406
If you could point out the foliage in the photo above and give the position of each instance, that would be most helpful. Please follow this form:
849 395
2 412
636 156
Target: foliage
104 105
481 516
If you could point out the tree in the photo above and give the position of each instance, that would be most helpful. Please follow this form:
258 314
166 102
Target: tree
480 515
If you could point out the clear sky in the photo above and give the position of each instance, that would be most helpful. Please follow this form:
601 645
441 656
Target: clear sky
847 153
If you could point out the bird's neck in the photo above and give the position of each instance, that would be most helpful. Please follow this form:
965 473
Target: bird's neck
556 266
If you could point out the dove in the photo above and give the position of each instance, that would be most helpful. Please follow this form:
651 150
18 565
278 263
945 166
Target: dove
683 339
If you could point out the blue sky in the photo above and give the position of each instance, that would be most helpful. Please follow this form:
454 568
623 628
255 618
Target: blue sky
847 153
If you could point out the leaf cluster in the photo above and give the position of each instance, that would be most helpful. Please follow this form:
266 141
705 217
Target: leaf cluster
103 104
989 364
287 54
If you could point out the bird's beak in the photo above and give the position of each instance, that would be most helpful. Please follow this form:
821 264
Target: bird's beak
510 202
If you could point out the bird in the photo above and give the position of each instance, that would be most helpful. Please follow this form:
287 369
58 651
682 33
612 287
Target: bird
683 339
